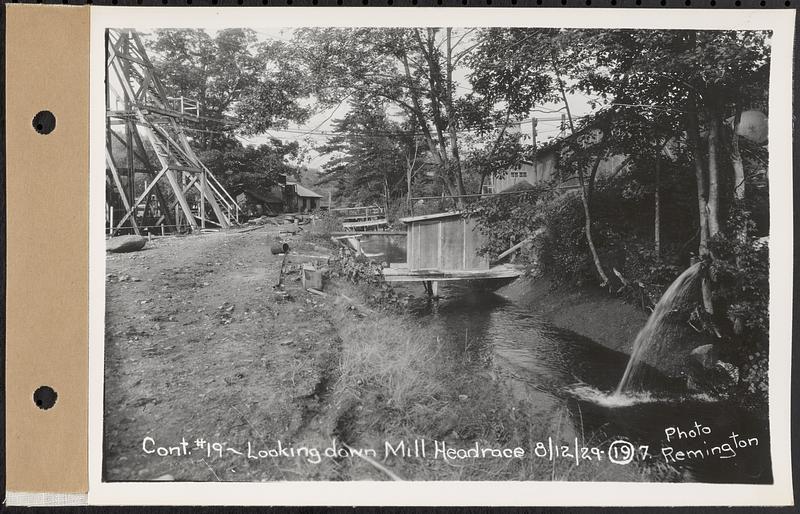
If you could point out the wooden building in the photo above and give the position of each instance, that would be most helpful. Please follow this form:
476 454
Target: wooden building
259 203
444 241
297 198
444 247
544 166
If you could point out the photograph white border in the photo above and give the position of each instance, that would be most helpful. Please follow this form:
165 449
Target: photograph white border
781 22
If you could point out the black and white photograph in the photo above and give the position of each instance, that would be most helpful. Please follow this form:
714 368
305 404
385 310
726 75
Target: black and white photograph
438 253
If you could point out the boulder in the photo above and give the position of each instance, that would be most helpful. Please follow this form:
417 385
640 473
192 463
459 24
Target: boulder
705 356
708 374
124 244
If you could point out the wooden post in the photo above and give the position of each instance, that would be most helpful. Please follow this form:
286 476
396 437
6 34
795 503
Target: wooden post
111 220
202 193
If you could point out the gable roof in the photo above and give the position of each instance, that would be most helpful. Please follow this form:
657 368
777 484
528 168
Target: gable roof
302 191
267 197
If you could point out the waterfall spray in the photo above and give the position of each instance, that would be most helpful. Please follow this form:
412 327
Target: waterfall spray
653 331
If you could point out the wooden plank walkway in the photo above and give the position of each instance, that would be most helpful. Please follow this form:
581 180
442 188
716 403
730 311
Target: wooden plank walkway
355 225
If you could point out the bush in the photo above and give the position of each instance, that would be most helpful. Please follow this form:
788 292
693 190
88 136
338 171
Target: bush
323 225
739 272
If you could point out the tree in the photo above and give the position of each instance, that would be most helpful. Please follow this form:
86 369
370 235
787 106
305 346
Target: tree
242 88
239 82
370 164
700 74
414 71
255 167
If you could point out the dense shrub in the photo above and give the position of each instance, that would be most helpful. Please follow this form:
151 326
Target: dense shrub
506 219
739 273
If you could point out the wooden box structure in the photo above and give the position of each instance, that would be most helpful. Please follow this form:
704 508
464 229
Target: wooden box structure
444 247
446 242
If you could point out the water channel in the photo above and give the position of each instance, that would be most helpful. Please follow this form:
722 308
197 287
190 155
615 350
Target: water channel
556 369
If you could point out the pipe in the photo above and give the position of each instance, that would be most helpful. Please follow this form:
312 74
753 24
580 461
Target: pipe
279 248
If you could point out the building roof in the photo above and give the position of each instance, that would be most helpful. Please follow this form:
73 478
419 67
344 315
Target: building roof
302 191
266 197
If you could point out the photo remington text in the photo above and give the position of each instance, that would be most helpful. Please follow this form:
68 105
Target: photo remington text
705 442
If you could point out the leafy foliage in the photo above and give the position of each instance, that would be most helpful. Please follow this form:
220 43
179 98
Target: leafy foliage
740 273
254 168
367 168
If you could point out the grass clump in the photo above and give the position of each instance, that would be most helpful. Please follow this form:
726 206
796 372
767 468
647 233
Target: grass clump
322 226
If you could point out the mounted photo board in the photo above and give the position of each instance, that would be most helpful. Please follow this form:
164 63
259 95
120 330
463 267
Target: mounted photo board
158 353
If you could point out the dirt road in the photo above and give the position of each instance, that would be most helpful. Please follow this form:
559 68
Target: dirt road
198 347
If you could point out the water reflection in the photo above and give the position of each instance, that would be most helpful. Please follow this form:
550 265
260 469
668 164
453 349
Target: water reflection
384 248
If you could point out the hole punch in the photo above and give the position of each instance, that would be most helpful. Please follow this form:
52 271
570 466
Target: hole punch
44 122
45 397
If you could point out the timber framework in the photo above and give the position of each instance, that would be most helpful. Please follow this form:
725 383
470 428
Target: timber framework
154 179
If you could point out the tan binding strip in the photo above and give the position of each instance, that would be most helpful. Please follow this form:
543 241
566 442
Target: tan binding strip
47 196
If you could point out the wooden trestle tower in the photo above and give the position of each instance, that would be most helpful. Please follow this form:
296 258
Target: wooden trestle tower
152 173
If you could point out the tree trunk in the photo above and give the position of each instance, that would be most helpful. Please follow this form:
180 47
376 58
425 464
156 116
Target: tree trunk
408 186
434 75
386 195
736 158
657 216
713 170
738 176
588 222
451 122
585 196
693 131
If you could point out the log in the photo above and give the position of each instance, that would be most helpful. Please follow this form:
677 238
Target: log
123 244
511 250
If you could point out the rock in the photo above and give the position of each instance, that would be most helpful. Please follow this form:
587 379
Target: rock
708 374
738 326
704 355
123 244
731 371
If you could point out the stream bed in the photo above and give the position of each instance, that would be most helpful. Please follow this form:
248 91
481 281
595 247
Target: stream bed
555 369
